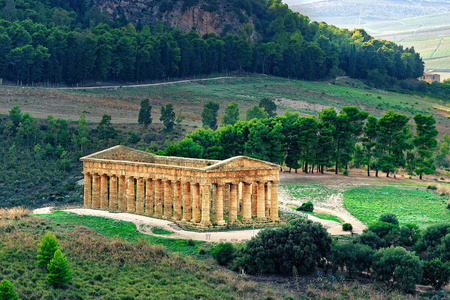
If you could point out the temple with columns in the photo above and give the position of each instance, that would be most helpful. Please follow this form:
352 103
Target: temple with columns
198 193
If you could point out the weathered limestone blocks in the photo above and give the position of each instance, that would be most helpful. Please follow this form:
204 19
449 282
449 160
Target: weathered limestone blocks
203 194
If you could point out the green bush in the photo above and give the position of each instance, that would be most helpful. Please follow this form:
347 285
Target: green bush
7 291
408 235
443 250
223 253
47 249
371 239
300 243
432 236
58 270
382 229
308 206
345 172
353 258
399 267
347 227
436 273
389 218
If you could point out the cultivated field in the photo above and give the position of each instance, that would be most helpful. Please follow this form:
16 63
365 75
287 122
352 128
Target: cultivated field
307 98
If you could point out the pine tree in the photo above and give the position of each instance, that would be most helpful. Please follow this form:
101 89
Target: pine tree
7 291
231 115
167 116
58 270
426 143
269 106
47 249
145 113
209 115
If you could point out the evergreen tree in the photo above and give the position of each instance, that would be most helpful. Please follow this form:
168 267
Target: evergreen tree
167 116
231 115
7 291
269 106
425 142
47 249
145 113
209 115
105 128
58 271
256 113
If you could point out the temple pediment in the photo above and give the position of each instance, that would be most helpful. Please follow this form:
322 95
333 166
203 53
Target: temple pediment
242 162
122 153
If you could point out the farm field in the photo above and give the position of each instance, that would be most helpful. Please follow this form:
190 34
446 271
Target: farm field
307 98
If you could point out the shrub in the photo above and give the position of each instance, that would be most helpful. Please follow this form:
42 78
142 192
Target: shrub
436 273
398 266
354 258
47 249
300 244
389 218
58 270
345 172
7 291
408 235
347 227
382 229
190 243
223 253
443 250
433 235
371 239
308 206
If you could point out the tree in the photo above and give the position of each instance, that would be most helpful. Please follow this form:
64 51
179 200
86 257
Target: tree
15 115
436 273
167 117
231 115
47 249
7 291
256 113
354 258
425 142
300 243
209 115
58 271
82 133
269 106
389 218
105 128
223 253
399 267
145 113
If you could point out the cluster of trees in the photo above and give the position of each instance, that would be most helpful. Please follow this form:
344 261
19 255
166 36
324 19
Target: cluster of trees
283 43
380 252
308 143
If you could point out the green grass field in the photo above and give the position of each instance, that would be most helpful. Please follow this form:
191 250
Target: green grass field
308 191
411 204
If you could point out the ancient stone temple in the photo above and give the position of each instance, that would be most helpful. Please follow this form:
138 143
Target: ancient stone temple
196 192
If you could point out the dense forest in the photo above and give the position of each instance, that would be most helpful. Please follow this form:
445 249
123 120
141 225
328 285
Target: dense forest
73 42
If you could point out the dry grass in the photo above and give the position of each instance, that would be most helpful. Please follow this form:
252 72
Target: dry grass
15 213
443 190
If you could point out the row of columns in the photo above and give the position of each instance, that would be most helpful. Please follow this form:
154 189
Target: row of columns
182 201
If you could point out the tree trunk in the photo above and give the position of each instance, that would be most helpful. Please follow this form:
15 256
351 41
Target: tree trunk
387 174
336 168
368 170
321 170
420 176
306 167
312 169
376 173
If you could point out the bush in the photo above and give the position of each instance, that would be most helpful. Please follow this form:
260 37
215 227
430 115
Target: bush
308 206
7 291
382 229
398 266
372 240
443 250
436 273
408 235
58 270
47 249
433 235
354 258
223 253
389 218
347 227
300 243
345 172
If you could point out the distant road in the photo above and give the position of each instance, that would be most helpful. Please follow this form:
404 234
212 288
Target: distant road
139 85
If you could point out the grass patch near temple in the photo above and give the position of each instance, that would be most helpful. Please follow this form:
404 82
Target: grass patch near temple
324 216
411 205
159 230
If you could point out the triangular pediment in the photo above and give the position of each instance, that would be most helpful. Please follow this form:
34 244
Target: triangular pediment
122 153
242 162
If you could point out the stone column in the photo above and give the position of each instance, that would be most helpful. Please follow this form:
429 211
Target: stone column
87 190
168 192
158 198
206 204
186 202
104 191
266 198
246 202
95 191
218 204
254 198
232 215
130 195
113 192
196 203
261 214
177 201
149 197
121 204
140 196
226 198
274 201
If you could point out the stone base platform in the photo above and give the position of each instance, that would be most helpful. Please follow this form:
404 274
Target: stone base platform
229 226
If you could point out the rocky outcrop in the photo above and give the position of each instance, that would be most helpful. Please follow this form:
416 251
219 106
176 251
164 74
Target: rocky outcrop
201 17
